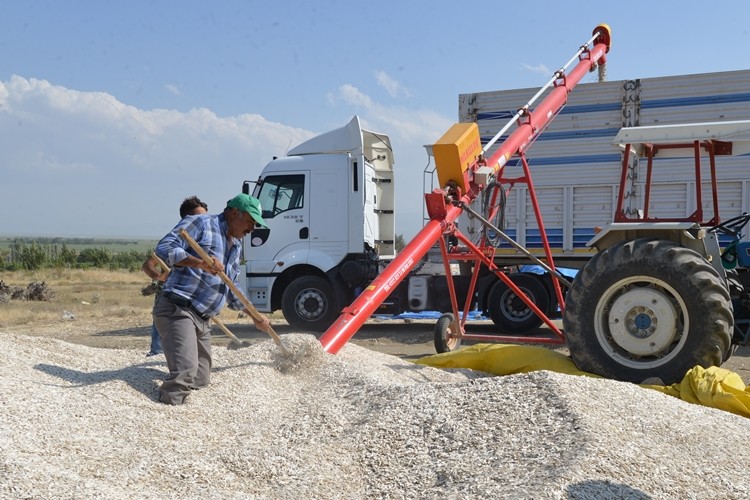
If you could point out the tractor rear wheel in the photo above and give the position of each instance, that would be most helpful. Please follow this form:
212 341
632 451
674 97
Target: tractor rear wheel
647 308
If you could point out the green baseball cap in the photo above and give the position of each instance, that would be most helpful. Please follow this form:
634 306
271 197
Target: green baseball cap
248 204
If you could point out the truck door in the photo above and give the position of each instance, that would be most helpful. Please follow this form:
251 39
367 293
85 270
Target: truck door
283 200
307 213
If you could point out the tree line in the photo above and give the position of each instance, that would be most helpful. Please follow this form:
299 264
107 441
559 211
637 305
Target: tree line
45 253
32 254
75 240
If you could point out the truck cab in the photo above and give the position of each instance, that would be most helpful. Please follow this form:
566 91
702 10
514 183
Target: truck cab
329 205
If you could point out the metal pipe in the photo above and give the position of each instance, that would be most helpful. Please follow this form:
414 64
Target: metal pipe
518 247
522 110
354 316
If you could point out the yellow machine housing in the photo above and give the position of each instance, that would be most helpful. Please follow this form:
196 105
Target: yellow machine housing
455 152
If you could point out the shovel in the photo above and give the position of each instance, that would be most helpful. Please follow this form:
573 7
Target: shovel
236 343
237 293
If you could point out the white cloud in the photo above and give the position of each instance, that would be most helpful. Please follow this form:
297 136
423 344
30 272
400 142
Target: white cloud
400 122
352 95
539 68
394 88
173 89
84 163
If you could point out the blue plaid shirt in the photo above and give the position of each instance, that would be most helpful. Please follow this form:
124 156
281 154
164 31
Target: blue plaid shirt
206 292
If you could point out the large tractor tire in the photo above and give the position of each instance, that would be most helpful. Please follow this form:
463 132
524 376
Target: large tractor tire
308 303
511 314
647 308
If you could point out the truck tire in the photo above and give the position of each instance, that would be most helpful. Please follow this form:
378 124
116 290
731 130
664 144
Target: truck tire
734 284
509 312
444 342
308 304
647 308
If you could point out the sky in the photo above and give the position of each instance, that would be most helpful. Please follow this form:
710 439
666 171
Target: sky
111 113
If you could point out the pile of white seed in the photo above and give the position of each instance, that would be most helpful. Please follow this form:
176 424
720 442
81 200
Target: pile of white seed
81 422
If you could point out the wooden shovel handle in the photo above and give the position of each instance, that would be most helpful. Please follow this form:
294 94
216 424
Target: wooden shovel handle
237 293
161 263
226 330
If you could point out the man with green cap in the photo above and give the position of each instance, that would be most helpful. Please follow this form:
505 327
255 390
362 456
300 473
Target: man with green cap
193 292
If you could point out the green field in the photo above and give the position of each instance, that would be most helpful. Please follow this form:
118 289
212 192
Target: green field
78 244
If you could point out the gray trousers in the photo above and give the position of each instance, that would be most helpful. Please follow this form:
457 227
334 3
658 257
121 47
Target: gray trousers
186 339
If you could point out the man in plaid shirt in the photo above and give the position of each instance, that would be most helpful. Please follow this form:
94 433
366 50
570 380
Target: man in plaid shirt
193 293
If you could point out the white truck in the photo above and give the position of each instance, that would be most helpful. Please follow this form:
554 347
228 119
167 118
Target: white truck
330 207
332 212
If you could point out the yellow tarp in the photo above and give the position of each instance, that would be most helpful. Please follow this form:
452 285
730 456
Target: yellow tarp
714 386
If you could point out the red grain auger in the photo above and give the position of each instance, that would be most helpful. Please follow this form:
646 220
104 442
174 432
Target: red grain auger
465 172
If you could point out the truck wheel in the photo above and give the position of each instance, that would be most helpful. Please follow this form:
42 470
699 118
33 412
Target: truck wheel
734 284
739 311
647 308
308 303
509 312
444 341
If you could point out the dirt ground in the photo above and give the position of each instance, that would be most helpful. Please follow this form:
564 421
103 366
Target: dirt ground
407 339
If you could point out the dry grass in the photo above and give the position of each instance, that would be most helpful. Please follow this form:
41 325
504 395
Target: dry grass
92 293
88 294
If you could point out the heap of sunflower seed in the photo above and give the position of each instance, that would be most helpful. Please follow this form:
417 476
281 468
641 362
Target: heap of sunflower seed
81 422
